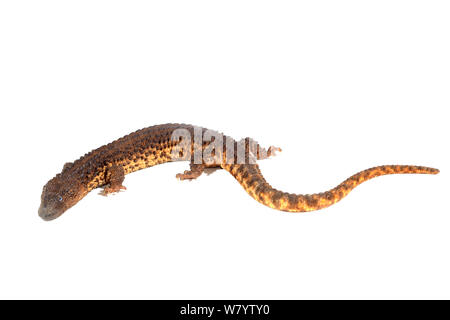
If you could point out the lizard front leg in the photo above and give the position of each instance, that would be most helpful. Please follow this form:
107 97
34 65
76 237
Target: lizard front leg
114 178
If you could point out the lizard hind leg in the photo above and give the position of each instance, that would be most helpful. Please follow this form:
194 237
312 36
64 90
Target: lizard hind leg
255 148
114 177
264 154
272 151
196 171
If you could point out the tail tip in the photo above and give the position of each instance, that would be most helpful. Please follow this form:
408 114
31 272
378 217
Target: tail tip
434 171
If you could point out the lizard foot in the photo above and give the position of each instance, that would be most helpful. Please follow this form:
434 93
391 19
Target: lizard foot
112 189
195 172
272 151
188 175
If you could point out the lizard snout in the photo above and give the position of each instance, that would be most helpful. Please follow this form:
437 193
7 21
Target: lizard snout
47 214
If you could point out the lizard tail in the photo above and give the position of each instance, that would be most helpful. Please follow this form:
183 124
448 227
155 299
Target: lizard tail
251 179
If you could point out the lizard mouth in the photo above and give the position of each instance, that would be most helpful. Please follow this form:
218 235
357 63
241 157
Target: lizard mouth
48 214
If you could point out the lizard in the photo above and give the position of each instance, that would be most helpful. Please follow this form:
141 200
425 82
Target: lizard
107 166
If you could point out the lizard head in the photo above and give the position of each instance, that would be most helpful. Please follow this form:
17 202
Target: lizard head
58 195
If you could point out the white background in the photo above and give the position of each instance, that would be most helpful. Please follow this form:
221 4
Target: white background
339 85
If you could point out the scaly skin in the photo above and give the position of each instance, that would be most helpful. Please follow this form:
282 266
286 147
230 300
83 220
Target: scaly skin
250 177
107 166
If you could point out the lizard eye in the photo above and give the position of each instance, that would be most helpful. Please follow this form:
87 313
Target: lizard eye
59 198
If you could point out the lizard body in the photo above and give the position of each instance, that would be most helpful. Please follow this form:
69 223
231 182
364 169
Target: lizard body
107 166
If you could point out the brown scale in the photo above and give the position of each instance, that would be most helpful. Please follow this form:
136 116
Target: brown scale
107 166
